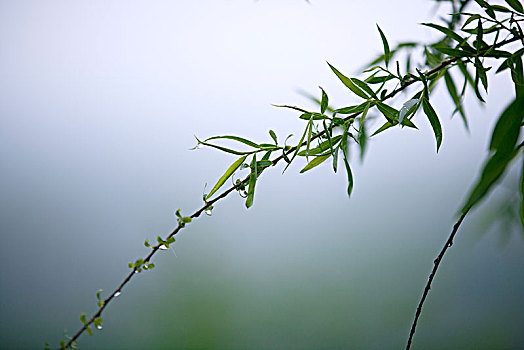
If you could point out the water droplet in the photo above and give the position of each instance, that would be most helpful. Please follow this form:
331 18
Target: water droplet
209 212
117 293
199 146
98 326
242 192
162 247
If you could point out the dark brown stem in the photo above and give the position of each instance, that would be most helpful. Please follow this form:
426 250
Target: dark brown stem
436 264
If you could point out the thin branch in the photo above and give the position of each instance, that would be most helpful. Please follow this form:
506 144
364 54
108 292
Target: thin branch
436 264
224 194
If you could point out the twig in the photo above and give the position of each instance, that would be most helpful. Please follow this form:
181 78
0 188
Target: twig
436 264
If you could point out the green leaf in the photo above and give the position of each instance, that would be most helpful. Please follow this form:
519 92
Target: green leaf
97 322
387 54
480 33
323 102
452 89
517 75
522 195
234 138
470 19
453 52
448 32
273 136
487 8
225 149
481 73
349 84
516 5
89 331
227 175
348 172
292 107
379 79
390 113
385 126
433 120
503 151
315 162
186 220
309 134
364 87
322 147
506 131
315 116
297 148
406 109
83 318
500 8
352 109
252 181
492 171
467 76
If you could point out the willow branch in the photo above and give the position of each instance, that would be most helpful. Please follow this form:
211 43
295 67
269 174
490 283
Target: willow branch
156 248
436 264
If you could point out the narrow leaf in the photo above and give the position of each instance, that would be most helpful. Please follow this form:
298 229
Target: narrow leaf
506 131
315 162
448 32
522 194
234 138
453 52
390 113
348 172
252 182
433 120
349 84
452 89
225 149
385 44
322 147
364 87
323 102
273 136
405 108
516 5
226 175
503 147
385 126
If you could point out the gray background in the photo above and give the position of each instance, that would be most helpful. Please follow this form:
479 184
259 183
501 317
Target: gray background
99 102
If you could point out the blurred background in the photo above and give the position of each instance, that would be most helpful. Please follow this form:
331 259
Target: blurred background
99 102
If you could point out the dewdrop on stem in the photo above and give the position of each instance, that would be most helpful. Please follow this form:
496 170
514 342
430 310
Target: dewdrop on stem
209 212
242 192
